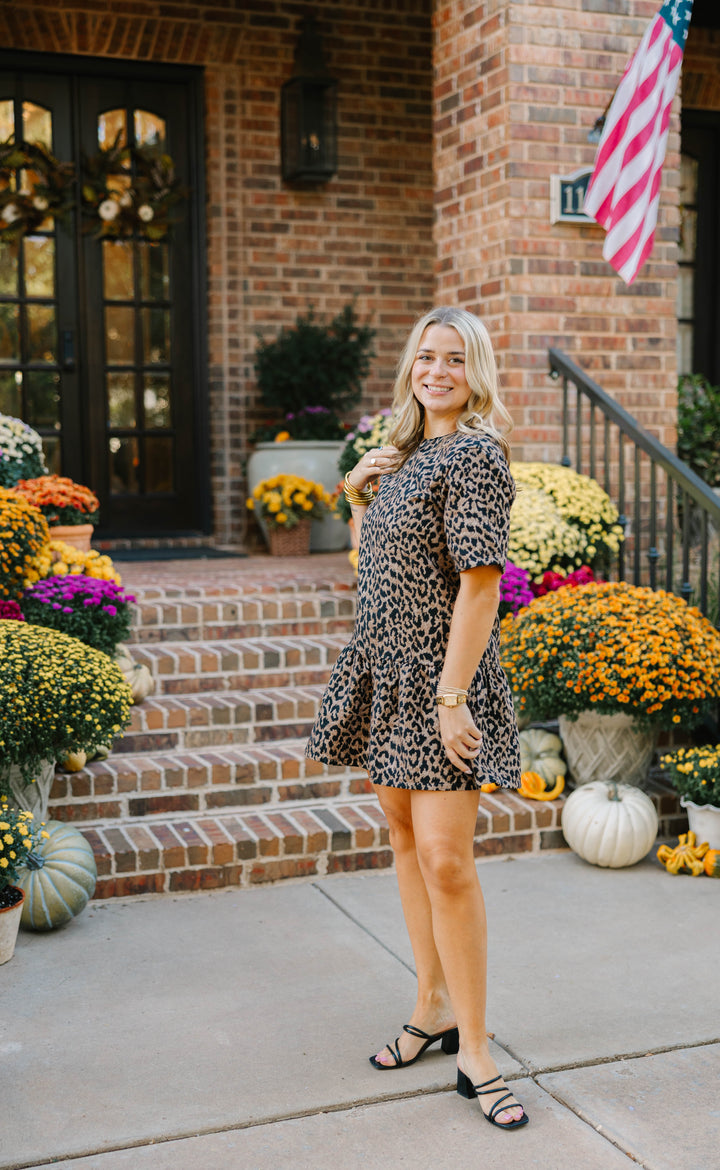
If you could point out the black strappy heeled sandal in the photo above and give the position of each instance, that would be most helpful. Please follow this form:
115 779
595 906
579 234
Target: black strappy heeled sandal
467 1089
450 1045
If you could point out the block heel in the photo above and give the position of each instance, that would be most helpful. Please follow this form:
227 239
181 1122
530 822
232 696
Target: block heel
465 1086
467 1089
451 1042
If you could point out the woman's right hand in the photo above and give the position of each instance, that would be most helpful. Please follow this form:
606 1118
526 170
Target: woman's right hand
376 461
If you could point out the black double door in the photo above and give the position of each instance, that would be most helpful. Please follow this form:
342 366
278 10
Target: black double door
101 340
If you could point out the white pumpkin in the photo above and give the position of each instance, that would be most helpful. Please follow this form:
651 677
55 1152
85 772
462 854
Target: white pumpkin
541 752
609 824
140 681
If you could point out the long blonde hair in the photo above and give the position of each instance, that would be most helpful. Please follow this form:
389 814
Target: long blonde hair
484 412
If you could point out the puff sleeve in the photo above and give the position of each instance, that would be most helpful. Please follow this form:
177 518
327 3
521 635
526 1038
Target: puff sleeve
480 493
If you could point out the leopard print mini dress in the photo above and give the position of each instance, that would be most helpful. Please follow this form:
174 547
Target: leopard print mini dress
447 509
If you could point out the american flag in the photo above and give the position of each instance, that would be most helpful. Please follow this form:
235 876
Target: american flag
624 190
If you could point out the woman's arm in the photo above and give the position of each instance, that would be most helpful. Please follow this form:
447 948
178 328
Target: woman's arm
472 621
378 461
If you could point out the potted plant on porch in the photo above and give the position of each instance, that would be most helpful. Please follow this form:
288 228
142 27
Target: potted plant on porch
309 376
613 662
695 774
19 832
71 510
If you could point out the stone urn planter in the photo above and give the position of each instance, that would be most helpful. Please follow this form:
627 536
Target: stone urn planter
10 921
315 460
704 821
33 795
606 747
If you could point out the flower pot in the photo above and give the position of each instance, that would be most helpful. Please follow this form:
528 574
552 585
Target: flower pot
78 535
9 925
606 747
316 460
704 821
33 796
290 542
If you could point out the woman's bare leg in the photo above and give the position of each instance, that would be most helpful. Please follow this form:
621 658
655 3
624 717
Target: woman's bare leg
444 827
433 1012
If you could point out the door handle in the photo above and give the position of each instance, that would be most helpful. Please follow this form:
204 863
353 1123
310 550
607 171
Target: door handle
67 349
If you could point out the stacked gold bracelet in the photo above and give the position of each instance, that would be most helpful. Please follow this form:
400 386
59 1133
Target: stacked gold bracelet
353 495
450 696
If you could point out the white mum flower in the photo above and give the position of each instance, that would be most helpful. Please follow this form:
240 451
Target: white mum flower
39 203
10 212
108 209
146 213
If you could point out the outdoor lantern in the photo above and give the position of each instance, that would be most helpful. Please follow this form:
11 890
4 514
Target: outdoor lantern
309 113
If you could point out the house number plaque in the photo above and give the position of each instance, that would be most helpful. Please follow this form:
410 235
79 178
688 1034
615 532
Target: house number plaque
567 197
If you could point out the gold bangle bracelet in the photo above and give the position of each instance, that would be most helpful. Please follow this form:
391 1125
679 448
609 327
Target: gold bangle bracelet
354 495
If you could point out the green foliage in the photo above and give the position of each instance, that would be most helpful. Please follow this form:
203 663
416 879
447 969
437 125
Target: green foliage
315 365
699 426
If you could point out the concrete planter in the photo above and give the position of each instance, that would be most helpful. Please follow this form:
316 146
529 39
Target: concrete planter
606 747
313 460
33 796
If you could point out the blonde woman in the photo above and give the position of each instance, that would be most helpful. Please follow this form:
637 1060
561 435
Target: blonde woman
418 697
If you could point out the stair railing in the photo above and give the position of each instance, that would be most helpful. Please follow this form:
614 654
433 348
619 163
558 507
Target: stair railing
679 511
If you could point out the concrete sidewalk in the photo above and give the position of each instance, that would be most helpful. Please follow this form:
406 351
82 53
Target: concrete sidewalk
231 1030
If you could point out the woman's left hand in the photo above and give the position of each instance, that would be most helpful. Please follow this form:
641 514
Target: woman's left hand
461 738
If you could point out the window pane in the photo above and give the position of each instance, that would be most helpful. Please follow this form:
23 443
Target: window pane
39 255
688 234
156 335
7 119
156 400
154 276
11 393
53 453
9 250
119 335
685 290
9 333
149 129
110 125
121 400
685 348
118 270
37 124
41 333
42 395
158 465
124 465
688 179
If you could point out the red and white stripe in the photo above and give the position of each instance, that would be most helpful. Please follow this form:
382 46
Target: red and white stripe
624 190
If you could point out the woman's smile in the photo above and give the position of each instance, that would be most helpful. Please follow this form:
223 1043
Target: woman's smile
438 379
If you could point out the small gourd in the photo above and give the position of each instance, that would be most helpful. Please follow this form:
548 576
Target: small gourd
140 681
687 854
73 761
541 752
711 863
533 786
58 878
609 824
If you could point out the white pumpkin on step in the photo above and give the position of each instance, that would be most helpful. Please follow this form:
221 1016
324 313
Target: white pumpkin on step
609 824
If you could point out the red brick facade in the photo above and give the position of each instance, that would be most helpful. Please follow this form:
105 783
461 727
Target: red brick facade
517 87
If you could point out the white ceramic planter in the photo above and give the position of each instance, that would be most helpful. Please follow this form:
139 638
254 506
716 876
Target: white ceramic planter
704 821
314 460
9 926
606 747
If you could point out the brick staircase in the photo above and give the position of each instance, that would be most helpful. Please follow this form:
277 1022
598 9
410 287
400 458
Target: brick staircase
210 786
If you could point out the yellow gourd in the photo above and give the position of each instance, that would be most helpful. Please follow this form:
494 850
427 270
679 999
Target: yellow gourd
532 785
686 855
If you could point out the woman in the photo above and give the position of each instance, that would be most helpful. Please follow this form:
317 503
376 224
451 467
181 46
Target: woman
418 697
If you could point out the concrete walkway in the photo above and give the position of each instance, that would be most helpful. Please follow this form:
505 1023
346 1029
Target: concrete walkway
230 1031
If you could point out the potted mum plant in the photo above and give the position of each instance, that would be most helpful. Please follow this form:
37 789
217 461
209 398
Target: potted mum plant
695 774
57 696
19 833
24 540
71 510
96 612
21 452
309 376
613 662
286 505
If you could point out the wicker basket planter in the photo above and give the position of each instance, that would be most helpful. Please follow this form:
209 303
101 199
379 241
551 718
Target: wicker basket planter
607 747
290 542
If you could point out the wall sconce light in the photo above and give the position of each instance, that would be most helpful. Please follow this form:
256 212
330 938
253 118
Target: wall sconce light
309 113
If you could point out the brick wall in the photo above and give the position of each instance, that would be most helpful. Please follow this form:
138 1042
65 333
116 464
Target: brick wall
518 87
273 251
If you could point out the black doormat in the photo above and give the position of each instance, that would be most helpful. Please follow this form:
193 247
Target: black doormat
171 554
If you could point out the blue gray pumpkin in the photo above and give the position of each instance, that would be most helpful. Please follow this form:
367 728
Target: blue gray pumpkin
58 879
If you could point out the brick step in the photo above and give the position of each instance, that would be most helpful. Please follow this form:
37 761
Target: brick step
133 786
165 722
205 851
240 664
202 850
205 617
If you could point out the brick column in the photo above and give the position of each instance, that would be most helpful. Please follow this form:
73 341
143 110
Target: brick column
517 88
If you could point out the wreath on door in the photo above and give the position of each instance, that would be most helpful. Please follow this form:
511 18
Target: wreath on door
130 191
34 187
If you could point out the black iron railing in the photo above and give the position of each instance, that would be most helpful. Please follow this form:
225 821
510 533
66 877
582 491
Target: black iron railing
670 516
